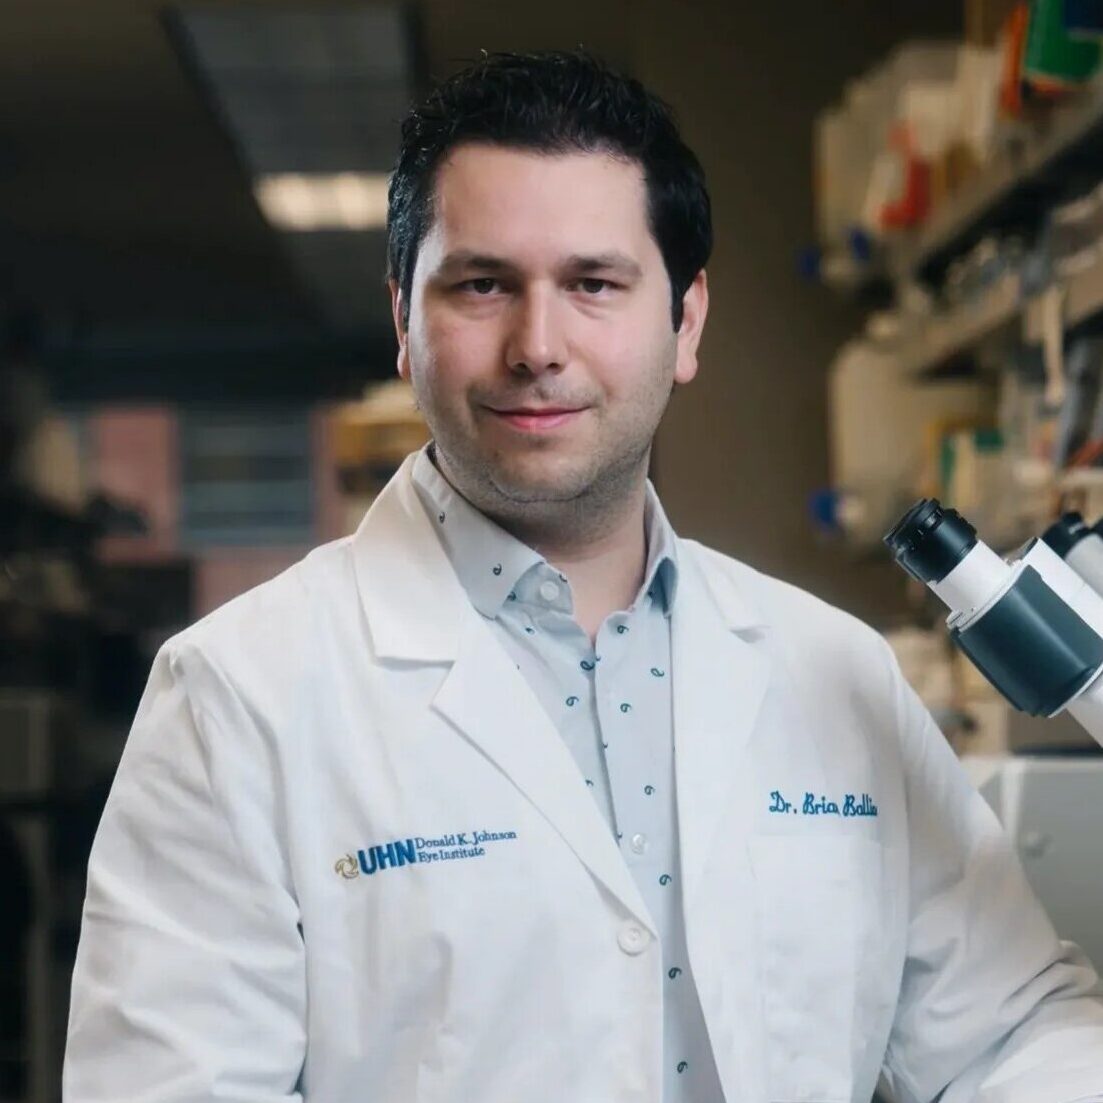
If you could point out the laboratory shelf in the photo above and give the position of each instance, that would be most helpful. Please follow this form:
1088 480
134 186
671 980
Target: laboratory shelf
1016 187
1080 478
1082 300
949 336
856 281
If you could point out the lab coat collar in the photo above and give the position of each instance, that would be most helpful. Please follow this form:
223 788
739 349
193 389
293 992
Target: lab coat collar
734 601
721 670
412 600
488 561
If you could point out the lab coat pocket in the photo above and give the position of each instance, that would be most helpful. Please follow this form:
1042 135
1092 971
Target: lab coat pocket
816 916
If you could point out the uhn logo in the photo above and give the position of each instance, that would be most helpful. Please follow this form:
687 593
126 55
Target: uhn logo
398 853
392 855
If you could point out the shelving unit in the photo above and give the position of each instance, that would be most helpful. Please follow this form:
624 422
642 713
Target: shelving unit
1025 178
1047 161
945 338
1016 189
1082 296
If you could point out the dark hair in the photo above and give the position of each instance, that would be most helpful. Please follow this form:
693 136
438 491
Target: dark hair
552 102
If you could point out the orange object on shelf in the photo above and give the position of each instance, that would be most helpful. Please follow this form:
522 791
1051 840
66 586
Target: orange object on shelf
1014 46
912 206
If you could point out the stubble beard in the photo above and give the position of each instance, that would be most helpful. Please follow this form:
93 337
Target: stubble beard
591 498
586 502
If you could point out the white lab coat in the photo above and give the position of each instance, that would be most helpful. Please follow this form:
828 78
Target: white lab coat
231 950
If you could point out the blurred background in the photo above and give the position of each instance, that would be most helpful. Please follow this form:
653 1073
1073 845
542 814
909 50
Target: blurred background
196 357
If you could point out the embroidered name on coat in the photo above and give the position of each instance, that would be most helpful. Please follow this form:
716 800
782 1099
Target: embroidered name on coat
417 850
813 805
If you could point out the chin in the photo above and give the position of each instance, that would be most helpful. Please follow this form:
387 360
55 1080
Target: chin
540 481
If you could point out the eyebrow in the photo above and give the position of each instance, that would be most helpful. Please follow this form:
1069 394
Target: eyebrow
610 261
463 259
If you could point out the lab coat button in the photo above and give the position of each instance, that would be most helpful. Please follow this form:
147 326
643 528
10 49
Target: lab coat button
1034 844
633 939
639 843
549 591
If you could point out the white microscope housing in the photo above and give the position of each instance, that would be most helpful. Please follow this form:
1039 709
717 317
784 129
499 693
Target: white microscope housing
1080 546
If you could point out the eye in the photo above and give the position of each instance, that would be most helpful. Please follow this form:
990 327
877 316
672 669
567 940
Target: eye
482 285
594 286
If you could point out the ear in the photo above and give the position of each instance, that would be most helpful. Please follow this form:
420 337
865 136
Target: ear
397 305
695 308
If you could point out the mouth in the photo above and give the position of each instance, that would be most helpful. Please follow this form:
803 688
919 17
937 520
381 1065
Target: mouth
530 419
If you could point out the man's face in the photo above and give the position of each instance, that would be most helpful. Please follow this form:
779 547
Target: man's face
540 344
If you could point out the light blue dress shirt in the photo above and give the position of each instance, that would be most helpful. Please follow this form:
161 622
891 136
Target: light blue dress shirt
611 702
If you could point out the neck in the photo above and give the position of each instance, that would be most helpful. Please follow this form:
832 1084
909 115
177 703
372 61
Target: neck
597 540
605 567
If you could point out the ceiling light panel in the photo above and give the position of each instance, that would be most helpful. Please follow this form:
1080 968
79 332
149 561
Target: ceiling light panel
312 98
321 89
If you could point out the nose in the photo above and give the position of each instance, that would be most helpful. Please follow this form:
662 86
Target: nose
537 342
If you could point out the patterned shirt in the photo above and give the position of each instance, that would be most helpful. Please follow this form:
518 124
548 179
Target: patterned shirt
611 702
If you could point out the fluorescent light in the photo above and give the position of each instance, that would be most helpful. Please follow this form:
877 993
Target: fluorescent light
335 201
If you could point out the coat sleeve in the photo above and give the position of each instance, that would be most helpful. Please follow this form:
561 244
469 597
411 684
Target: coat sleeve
993 1007
189 982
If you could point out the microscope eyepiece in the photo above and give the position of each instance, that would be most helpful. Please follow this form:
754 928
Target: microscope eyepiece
931 540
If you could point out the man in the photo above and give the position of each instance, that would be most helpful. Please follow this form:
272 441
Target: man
515 796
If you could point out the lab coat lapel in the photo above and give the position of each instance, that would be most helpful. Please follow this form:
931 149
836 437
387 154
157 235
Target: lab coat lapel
488 700
417 611
721 671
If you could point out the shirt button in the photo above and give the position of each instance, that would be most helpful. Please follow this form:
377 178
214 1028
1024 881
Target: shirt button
632 938
549 591
638 843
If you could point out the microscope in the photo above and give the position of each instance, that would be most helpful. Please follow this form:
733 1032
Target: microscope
1033 626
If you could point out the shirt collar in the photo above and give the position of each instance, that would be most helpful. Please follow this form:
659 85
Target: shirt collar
660 576
490 562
